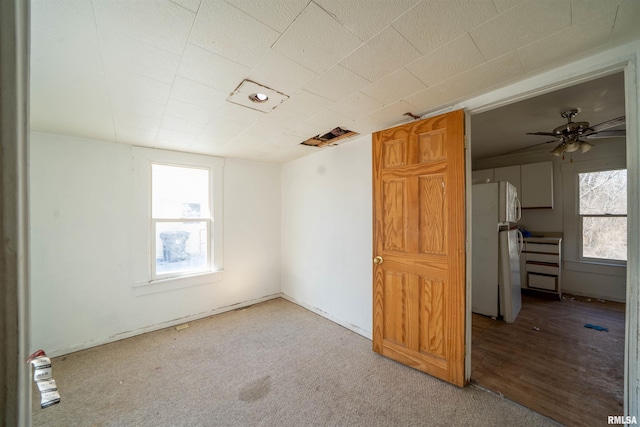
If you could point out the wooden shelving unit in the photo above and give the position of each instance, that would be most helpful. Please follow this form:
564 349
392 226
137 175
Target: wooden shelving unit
543 264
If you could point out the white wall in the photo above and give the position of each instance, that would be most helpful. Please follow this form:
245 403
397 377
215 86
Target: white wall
82 228
326 233
577 278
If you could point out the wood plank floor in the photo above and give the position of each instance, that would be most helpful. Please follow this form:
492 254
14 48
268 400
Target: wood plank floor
565 371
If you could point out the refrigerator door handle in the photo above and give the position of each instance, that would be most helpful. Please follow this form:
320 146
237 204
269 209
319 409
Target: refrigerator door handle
519 209
520 242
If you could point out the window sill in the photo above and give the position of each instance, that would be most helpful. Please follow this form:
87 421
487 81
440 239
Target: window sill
174 283
596 268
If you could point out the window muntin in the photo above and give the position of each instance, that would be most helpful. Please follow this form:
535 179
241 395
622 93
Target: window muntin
602 210
181 220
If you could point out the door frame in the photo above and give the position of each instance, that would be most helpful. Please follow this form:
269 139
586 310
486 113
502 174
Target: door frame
15 397
623 58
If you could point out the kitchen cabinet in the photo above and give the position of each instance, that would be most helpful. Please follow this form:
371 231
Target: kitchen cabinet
542 258
536 181
533 181
482 176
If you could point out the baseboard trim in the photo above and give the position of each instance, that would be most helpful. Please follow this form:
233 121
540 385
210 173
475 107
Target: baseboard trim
328 316
191 318
158 326
592 296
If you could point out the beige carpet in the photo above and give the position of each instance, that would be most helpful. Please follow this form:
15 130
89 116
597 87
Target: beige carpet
272 364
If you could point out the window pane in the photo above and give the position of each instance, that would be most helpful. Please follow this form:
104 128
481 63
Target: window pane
181 246
179 192
604 237
603 192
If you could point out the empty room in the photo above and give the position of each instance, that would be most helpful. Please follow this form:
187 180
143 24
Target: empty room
238 212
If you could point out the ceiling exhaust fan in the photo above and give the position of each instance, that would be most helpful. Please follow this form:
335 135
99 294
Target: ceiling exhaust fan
569 134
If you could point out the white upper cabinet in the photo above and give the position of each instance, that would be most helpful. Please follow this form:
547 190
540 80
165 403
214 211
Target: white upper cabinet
537 185
481 176
534 182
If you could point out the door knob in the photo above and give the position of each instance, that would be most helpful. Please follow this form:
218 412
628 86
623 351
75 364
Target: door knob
378 260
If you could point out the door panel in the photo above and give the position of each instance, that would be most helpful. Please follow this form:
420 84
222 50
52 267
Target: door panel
419 287
395 214
432 146
432 322
394 153
431 214
395 295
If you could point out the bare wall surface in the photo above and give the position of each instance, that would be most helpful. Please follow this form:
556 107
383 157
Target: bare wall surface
326 233
82 237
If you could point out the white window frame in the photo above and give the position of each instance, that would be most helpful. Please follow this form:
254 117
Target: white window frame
143 233
208 220
572 241
580 222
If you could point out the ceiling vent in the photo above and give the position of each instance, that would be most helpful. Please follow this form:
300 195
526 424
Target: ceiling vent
256 96
330 138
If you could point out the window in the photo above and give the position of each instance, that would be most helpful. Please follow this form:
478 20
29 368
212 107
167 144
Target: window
602 211
180 220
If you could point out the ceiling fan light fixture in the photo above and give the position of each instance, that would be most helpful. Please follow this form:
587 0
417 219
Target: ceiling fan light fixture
559 150
569 134
585 146
571 146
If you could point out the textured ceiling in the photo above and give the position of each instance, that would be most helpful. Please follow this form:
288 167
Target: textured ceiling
158 73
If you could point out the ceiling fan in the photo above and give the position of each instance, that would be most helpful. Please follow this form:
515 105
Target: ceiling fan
569 134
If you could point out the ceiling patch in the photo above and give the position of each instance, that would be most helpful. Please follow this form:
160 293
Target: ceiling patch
330 138
256 96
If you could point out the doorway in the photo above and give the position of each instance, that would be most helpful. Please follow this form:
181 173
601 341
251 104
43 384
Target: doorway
549 332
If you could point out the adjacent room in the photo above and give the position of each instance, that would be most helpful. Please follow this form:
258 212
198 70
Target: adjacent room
203 175
566 261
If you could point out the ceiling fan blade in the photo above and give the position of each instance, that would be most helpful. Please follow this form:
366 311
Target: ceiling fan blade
606 125
542 133
527 147
608 134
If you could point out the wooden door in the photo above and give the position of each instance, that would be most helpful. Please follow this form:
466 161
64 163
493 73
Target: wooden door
419 245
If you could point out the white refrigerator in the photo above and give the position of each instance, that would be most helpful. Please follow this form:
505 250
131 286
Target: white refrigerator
496 251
